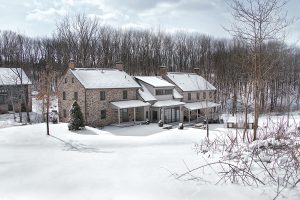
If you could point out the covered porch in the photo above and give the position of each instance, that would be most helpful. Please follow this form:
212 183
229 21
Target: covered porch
201 110
169 111
131 110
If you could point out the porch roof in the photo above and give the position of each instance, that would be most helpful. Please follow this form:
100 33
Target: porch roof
201 105
129 104
167 103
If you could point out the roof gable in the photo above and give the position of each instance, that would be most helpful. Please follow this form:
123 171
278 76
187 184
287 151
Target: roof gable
94 78
155 81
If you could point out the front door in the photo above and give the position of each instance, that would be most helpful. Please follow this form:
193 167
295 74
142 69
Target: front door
125 117
154 116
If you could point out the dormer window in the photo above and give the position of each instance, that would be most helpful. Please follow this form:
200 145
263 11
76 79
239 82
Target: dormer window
159 92
163 92
168 92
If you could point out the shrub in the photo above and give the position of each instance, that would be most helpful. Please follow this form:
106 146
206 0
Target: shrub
76 118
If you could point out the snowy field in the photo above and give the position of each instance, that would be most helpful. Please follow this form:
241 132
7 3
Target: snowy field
112 163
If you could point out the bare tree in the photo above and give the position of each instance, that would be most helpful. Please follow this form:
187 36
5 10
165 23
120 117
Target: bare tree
47 89
255 23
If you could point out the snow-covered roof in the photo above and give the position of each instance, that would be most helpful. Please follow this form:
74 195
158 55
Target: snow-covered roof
146 94
155 81
190 81
92 78
129 104
13 76
167 103
201 105
176 94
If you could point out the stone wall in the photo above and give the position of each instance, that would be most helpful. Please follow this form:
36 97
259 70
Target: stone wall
90 103
69 88
94 105
4 108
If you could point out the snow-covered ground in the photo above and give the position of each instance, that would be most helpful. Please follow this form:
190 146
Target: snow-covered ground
112 163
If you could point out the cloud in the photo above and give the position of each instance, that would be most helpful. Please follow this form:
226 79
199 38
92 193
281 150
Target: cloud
47 15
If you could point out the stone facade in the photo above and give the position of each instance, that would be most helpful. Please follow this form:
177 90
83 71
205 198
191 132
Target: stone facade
94 106
9 93
91 104
68 85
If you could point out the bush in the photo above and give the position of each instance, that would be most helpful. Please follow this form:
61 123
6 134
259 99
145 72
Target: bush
76 117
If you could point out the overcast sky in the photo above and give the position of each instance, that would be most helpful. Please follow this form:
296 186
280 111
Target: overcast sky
38 17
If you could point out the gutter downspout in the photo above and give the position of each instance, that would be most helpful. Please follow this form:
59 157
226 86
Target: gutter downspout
85 111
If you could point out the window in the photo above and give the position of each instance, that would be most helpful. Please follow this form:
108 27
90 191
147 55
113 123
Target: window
2 99
168 92
75 96
163 92
66 80
124 94
189 96
72 80
102 95
103 114
210 95
147 114
3 91
198 96
65 113
64 95
159 92
204 95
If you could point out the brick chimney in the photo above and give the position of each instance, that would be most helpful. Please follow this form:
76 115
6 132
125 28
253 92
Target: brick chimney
196 70
72 64
119 66
163 70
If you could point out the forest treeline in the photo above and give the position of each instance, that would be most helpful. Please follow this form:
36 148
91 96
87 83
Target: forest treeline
223 62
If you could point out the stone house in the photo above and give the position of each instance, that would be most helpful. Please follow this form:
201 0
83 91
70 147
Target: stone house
15 90
198 94
165 101
106 96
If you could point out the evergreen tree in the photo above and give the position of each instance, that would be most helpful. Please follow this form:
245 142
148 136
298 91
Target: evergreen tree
76 117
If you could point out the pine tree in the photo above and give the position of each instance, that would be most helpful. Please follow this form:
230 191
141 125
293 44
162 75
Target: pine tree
76 117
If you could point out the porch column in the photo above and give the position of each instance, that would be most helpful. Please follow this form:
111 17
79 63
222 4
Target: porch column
134 114
119 117
189 115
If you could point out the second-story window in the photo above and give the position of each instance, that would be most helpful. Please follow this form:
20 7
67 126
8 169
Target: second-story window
66 80
159 92
64 95
189 96
72 80
198 96
102 95
124 94
75 96
204 95
210 95
168 92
